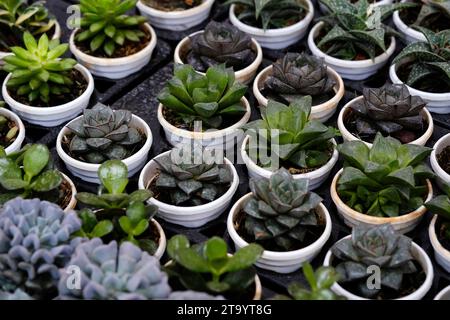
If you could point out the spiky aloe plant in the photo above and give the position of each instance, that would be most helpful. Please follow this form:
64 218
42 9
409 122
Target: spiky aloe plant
434 15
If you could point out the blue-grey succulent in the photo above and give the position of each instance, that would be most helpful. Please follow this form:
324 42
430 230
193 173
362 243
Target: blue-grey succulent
16 295
193 295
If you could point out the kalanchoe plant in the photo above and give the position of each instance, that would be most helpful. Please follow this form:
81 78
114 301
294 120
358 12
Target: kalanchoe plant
441 206
213 98
434 15
387 180
390 110
8 129
220 43
377 246
297 75
102 134
206 267
172 5
281 214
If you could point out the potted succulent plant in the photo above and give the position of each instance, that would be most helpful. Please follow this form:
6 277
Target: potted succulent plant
425 68
29 173
444 294
55 91
352 38
274 26
280 214
374 3
391 110
404 269
297 75
440 159
214 101
175 15
207 267
101 134
385 184
305 147
12 130
109 42
188 189
221 43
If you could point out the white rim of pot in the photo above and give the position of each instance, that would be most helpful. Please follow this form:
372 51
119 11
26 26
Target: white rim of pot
444 142
162 243
88 59
276 255
175 14
435 243
50 110
339 89
347 135
403 27
239 73
443 293
417 251
141 153
20 135
419 212
73 200
204 135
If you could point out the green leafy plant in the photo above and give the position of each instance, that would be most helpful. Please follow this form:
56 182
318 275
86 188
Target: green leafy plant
172 5
8 129
440 205
208 268
434 15
387 180
212 98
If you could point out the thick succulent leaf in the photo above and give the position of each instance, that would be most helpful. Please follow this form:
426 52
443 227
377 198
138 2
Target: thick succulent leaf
419 71
375 36
418 50
444 67
350 271
355 153
354 177
47 181
337 33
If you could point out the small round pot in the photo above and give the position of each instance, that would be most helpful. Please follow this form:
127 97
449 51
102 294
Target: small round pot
409 33
115 68
352 70
280 262
440 145
276 38
352 218
88 171
444 294
17 144
441 254
245 75
321 112
190 217
316 177
436 102
212 138
348 136
417 252
325 10
51 116
162 240
73 200
176 20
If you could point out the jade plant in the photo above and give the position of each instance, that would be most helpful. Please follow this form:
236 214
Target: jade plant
281 213
387 180
102 134
172 5
297 75
390 110
376 246
440 205
220 43
207 267
214 98
8 129
432 14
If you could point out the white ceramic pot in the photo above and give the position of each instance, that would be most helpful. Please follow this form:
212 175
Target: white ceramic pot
348 136
280 262
440 145
17 144
352 70
162 240
410 34
436 102
444 294
325 10
322 112
417 252
245 75
352 218
190 217
276 38
52 116
88 171
441 254
176 20
73 200
316 177
212 138
115 68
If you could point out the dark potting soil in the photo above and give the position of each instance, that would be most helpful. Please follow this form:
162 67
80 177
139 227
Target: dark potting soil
444 159
15 38
316 100
280 23
179 5
4 131
436 23
441 230
427 84
65 194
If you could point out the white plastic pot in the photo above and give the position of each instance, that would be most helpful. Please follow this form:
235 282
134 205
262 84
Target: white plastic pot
441 254
17 144
321 112
352 218
410 34
352 70
245 75
176 20
348 136
162 240
444 294
190 217
417 252
52 116
115 68
440 145
316 177
325 10
280 262
276 38
73 201
88 171
436 102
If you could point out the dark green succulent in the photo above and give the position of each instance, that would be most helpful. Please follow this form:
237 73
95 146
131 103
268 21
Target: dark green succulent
434 15
441 206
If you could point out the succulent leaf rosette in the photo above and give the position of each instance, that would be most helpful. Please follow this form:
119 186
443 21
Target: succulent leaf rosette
434 15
